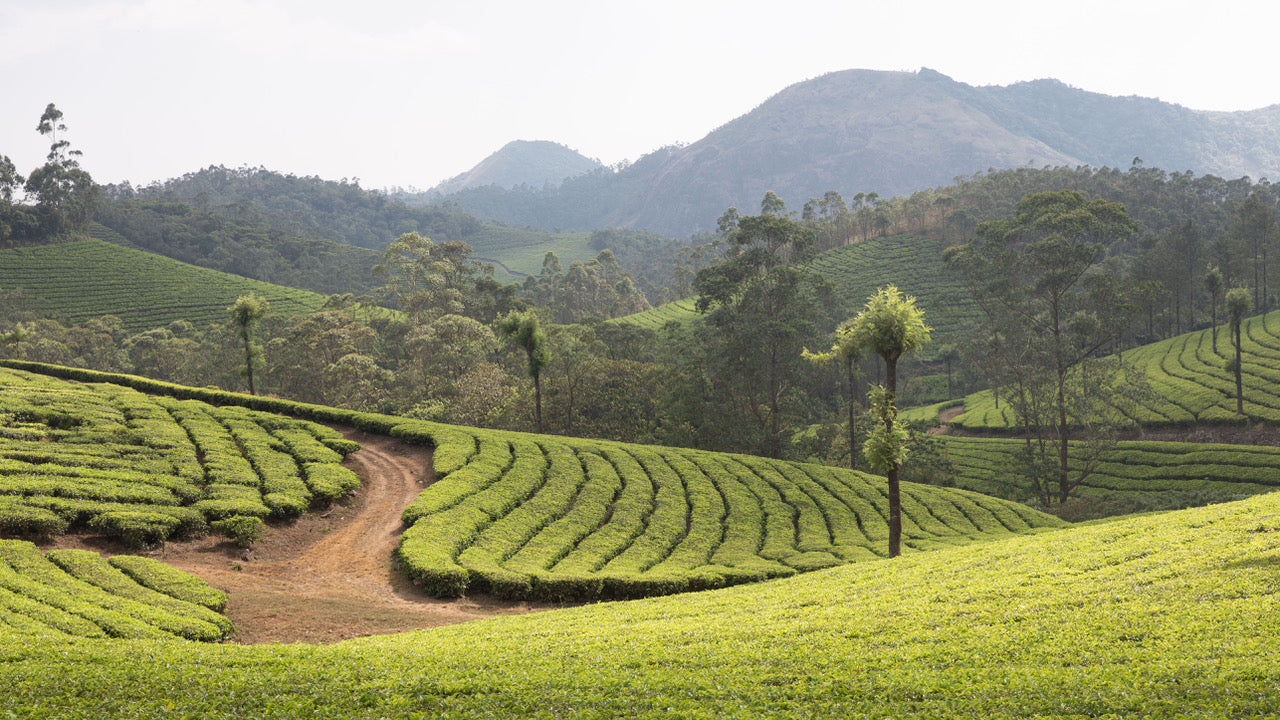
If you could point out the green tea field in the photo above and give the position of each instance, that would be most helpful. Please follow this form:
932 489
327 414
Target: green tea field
1190 382
85 279
856 271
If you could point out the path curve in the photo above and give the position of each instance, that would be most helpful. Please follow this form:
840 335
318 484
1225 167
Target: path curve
329 575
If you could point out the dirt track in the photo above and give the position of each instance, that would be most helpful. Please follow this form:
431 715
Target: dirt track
329 576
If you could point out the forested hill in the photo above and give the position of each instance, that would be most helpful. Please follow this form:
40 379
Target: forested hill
306 206
892 133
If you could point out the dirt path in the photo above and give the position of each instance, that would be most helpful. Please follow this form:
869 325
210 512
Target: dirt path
329 576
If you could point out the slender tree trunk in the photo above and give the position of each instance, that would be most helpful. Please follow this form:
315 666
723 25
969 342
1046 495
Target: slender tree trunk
1213 304
853 435
1239 372
895 493
537 402
248 363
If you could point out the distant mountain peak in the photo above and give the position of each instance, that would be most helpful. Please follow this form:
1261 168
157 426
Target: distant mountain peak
535 163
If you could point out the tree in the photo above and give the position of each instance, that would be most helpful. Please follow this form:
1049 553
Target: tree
1213 283
760 314
1239 304
1039 280
247 311
890 326
949 354
65 194
847 352
428 279
524 331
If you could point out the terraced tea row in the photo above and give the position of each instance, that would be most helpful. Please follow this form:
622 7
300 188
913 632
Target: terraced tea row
526 516
856 271
145 468
1137 469
79 593
1190 382
86 279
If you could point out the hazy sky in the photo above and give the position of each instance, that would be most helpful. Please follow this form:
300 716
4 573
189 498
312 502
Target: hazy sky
401 93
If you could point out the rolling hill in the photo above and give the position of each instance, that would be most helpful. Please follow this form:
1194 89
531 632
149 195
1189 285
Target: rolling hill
856 271
84 279
1189 379
522 162
892 133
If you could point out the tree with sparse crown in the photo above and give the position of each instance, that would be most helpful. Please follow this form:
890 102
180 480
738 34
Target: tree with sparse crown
523 330
1239 304
891 325
247 311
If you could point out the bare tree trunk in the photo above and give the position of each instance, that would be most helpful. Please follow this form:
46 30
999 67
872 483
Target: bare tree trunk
895 496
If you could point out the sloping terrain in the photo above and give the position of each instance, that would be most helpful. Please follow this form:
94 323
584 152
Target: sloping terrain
1189 379
85 279
143 468
893 133
1168 615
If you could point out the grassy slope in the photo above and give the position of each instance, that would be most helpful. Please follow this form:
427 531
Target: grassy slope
1190 381
1157 616
857 271
522 250
85 279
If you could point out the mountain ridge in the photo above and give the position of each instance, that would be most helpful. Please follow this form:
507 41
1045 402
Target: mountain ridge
893 133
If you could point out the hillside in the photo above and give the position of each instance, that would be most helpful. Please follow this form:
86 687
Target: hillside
85 279
1189 380
522 162
515 515
1159 616
893 133
856 271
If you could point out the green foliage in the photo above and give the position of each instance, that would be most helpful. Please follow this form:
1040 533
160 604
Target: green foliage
137 529
77 593
245 530
886 445
144 468
168 580
1189 382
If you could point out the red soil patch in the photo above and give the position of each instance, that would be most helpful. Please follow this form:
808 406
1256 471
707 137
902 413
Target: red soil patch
330 575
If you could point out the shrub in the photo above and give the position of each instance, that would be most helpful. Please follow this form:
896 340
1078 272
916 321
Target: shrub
32 521
171 581
245 530
136 528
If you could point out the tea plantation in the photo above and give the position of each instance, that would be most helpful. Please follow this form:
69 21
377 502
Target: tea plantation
516 515
856 271
1169 616
114 461
1190 382
85 279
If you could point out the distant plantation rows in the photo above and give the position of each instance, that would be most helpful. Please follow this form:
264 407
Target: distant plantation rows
911 263
527 516
856 271
681 311
78 593
522 250
1190 382
86 279
144 468
1135 469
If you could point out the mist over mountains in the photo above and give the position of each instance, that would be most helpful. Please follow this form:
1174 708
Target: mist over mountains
860 131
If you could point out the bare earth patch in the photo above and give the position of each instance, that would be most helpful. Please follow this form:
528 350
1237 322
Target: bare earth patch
330 575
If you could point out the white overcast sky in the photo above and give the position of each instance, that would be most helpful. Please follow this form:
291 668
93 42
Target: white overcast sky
404 93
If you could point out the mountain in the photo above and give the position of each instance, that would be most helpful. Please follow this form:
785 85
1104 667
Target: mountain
893 133
522 162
